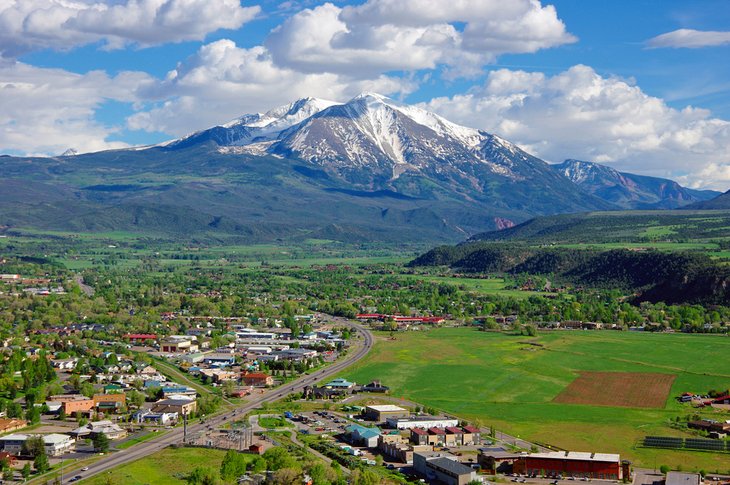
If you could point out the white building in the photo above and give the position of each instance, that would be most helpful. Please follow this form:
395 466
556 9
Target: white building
421 422
55 443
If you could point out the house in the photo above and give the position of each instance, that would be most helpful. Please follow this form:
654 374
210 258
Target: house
360 435
110 430
603 466
680 478
56 444
259 379
454 436
471 435
419 436
9 424
436 436
180 406
64 364
442 468
379 413
110 402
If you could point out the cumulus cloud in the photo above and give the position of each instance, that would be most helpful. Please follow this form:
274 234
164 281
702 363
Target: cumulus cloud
28 25
47 111
386 35
689 38
222 81
580 114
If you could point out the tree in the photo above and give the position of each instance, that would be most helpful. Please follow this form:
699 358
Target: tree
8 475
203 476
257 465
41 463
26 470
101 442
33 447
62 414
278 458
233 466
135 398
664 469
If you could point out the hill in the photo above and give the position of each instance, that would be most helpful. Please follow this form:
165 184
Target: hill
618 227
651 275
721 202
630 191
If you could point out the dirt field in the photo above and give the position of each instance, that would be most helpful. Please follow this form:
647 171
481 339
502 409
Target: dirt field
623 389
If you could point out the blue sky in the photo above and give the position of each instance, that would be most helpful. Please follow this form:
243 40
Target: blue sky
640 85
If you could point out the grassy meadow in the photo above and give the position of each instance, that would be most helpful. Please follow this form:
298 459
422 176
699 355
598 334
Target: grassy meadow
167 467
503 380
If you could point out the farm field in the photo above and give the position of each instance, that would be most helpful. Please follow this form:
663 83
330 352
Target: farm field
623 389
167 467
511 382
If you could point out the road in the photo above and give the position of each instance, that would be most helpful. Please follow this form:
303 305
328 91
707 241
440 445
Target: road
176 436
88 290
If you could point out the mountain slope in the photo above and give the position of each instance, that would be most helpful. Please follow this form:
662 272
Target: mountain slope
722 201
630 191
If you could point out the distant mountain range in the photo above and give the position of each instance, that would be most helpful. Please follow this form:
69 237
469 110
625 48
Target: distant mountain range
630 191
370 169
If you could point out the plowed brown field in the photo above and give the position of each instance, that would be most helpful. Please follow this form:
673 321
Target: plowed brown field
622 389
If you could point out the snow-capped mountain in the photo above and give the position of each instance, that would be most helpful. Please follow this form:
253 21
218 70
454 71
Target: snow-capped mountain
628 190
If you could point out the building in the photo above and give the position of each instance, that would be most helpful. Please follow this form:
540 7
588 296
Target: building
362 436
680 478
497 460
178 390
110 430
442 468
74 403
219 359
147 416
179 406
379 413
421 422
259 379
141 338
376 387
471 435
419 436
396 448
340 385
9 424
179 343
56 444
571 463
436 436
454 436
110 402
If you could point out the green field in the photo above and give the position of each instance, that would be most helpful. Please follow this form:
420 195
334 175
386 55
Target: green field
502 380
167 467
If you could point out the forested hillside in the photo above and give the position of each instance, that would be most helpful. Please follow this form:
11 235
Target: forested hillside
650 275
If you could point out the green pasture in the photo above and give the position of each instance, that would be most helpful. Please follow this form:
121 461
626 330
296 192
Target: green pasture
502 380
167 467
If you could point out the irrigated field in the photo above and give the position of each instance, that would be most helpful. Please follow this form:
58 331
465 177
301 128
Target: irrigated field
622 389
508 382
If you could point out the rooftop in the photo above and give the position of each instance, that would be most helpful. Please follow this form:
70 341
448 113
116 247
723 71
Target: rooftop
578 456
679 478
384 408
452 466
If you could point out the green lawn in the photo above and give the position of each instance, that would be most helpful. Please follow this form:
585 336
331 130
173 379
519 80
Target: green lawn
501 380
493 286
167 467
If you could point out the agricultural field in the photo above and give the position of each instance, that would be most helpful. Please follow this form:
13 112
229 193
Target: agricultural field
167 467
622 389
512 382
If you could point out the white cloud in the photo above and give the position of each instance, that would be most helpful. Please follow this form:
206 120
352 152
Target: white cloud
28 25
690 38
580 114
46 111
222 82
385 35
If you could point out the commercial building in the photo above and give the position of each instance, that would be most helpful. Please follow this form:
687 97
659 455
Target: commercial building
111 430
257 379
379 413
110 402
442 468
360 435
571 463
421 422
9 424
179 406
55 443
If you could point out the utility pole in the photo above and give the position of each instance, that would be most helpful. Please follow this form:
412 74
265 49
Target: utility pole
185 427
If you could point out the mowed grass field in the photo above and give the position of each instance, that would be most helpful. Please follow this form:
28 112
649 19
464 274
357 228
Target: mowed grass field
509 382
167 467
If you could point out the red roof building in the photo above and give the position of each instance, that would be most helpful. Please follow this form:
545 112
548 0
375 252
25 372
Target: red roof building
141 336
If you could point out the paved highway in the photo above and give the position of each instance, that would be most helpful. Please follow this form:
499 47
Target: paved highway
176 436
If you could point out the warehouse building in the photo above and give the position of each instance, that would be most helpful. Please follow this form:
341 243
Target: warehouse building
421 422
380 413
442 468
571 463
